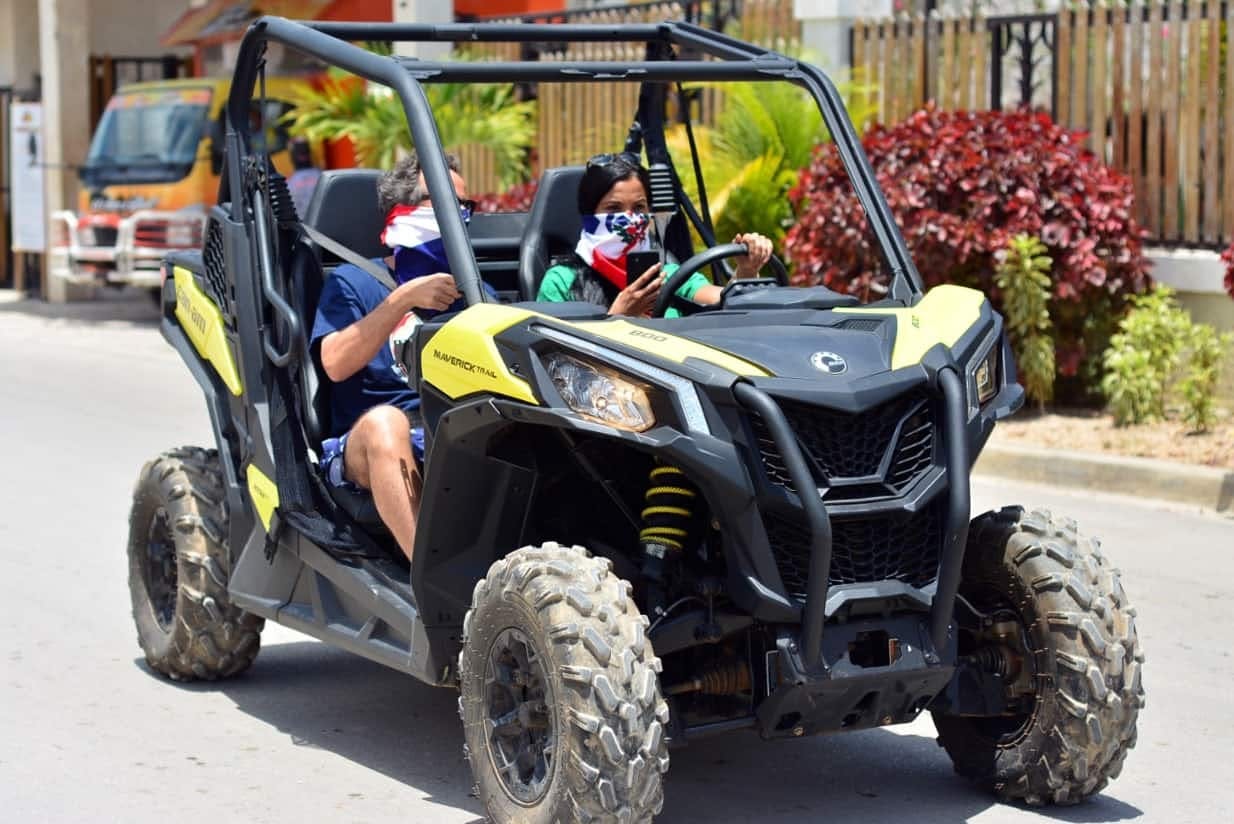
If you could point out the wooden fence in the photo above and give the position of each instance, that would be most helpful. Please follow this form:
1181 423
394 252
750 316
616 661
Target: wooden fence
1151 83
578 119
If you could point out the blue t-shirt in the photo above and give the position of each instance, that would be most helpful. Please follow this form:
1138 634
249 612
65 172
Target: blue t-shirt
349 294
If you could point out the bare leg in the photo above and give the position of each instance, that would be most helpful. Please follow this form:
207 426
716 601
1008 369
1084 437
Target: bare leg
378 458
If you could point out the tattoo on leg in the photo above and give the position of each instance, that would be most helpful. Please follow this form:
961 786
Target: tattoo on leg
411 490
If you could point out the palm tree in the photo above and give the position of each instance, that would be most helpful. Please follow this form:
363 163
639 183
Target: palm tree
486 115
763 136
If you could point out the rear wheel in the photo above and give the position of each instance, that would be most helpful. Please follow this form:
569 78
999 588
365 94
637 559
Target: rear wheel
178 568
1071 638
561 706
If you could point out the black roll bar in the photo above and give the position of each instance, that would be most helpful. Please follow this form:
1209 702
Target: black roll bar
951 559
738 61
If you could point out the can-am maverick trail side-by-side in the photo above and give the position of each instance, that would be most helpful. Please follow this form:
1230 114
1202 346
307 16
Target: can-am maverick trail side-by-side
634 532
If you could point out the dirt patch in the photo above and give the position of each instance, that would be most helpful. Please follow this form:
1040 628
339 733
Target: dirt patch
1091 431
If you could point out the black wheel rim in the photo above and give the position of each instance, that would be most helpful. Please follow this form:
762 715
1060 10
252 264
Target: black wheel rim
160 571
518 712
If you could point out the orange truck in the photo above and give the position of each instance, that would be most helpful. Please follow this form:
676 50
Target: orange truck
151 173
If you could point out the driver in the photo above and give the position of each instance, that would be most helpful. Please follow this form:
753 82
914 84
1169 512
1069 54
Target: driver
372 407
612 199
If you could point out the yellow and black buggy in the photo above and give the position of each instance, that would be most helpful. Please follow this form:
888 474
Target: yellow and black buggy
634 532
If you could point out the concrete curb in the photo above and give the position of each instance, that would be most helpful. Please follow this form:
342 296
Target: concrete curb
1140 477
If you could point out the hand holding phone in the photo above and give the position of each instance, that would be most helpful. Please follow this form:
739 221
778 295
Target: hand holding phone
637 263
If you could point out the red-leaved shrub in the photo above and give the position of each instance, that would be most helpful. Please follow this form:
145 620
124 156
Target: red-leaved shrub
517 198
1228 257
961 185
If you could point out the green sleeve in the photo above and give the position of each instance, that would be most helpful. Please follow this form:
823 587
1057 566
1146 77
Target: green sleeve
556 285
695 282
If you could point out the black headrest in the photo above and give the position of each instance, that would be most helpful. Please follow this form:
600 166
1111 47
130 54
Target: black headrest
344 208
552 226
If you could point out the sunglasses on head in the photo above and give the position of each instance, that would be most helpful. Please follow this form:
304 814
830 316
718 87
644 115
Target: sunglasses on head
609 158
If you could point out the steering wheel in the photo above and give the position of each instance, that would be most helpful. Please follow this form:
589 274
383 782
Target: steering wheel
668 291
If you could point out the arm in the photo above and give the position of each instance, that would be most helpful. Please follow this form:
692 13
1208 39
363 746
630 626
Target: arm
556 284
747 267
345 352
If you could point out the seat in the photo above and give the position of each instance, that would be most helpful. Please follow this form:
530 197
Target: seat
553 225
344 208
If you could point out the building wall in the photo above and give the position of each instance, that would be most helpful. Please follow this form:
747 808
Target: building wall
132 28
19 43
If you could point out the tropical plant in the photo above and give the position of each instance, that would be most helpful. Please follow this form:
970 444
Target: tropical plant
488 115
1142 362
960 185
763 135
1023 277
1199 385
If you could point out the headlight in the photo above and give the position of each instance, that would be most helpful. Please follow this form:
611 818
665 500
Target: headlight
600 394
181 234
985 376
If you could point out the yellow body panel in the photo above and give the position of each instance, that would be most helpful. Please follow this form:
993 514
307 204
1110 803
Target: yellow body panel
942 316
203 323
264 493
669 347
462 359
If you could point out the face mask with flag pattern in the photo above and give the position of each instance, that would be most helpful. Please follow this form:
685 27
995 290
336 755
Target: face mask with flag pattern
607 239
412 232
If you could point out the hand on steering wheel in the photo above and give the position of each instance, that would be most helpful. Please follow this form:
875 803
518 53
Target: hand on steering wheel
668 292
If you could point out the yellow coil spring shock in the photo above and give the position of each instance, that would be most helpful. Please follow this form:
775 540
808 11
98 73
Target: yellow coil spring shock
667 518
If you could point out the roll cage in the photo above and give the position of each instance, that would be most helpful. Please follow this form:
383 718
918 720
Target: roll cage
735 61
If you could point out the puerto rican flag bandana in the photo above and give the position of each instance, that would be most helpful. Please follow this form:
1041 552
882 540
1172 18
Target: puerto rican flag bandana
607 239
412 232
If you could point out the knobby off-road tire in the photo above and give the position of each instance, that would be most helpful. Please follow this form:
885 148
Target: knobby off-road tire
178 569
565 615
1087 661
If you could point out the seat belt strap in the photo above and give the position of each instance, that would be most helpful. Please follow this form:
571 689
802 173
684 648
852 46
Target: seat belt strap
339 250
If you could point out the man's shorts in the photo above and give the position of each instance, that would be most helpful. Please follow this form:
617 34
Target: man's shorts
332 457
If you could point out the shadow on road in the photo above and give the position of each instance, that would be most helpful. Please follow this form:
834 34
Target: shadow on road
125 306
389 722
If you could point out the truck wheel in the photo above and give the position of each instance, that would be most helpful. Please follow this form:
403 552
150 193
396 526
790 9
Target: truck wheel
562 715
1085 666
178 567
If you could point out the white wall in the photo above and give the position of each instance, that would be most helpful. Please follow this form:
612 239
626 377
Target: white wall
19 43
132 28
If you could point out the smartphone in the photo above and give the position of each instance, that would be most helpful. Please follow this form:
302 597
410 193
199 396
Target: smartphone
637 263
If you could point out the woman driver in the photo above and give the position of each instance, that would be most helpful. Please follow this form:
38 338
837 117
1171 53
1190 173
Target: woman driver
612 199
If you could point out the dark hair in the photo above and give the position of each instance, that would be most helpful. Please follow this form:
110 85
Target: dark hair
602 173
401 185
301 154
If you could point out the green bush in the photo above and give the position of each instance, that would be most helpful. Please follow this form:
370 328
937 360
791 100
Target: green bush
1023 277
1203 371
1144 356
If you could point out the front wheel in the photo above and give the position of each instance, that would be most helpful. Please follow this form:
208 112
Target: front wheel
1070 635
561 707
178 568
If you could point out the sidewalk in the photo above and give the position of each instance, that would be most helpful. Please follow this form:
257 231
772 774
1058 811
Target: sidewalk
1202 486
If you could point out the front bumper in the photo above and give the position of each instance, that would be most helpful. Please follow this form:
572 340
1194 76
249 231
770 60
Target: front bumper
131 260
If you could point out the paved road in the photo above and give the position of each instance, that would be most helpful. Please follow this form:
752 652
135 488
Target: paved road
88 734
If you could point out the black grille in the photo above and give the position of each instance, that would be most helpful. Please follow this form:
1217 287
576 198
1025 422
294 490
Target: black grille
863 324
846 446
877 548
216 273
104 236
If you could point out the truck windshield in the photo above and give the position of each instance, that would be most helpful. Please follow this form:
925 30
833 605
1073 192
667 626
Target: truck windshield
148 136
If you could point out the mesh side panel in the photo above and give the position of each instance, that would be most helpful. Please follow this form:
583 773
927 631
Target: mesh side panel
216 273
862 324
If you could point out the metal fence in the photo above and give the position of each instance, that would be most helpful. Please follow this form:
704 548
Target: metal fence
1151 83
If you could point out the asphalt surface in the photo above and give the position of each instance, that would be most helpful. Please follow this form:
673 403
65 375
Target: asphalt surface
87 733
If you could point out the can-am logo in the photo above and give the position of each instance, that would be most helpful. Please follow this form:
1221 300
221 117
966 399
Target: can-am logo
829 362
